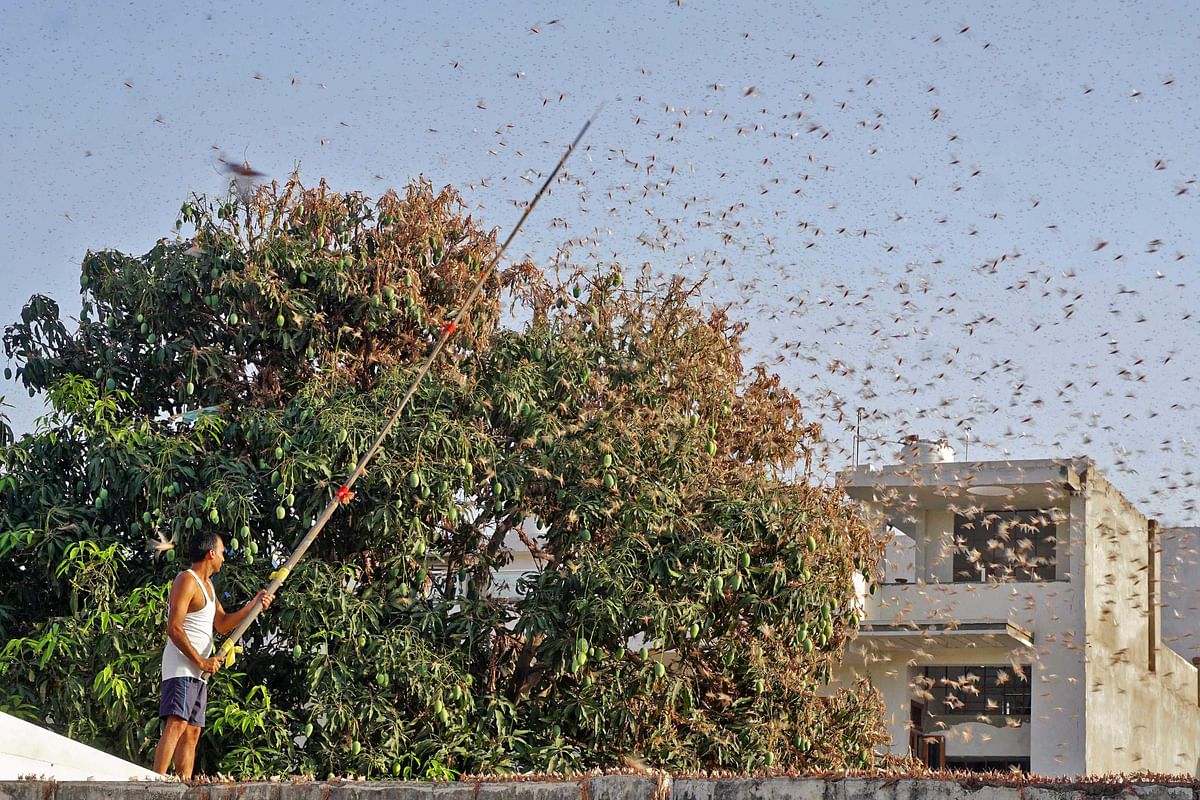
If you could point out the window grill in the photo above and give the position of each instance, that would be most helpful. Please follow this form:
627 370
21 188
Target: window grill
1005 546
1000 691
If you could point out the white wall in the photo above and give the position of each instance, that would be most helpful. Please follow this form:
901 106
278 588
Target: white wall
26 749
983 739
900 557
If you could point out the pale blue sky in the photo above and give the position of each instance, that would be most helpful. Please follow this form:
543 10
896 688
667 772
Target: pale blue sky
935 306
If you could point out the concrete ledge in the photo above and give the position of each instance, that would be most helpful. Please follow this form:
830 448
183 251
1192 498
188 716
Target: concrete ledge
532 790
616 787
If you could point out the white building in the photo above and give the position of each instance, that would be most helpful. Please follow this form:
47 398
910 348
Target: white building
1021 622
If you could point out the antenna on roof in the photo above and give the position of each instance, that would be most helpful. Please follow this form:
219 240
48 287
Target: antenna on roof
858 433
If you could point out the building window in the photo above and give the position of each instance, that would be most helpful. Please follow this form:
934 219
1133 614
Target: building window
1000 691
1005 546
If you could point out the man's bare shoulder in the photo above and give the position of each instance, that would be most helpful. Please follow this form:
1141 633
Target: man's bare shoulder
181 587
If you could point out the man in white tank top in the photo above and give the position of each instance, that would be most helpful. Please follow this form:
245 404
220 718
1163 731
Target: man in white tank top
193 612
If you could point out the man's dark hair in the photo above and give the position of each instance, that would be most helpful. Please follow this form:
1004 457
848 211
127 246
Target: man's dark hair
201 542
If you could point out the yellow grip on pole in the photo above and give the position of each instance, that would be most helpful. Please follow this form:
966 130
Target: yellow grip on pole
281 573
229 652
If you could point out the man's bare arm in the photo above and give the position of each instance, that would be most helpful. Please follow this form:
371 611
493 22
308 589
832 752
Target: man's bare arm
225 623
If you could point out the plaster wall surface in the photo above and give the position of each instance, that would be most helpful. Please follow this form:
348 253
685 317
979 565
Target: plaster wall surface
982 739
1141 699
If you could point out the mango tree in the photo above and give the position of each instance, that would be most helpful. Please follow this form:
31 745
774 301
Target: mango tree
689 585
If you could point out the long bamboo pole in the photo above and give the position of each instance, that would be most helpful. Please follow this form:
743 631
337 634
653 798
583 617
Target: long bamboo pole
344 494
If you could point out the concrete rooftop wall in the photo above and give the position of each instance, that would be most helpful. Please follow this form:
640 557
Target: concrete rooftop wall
607 788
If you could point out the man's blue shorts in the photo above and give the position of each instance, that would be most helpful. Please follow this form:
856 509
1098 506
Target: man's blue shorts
185 698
